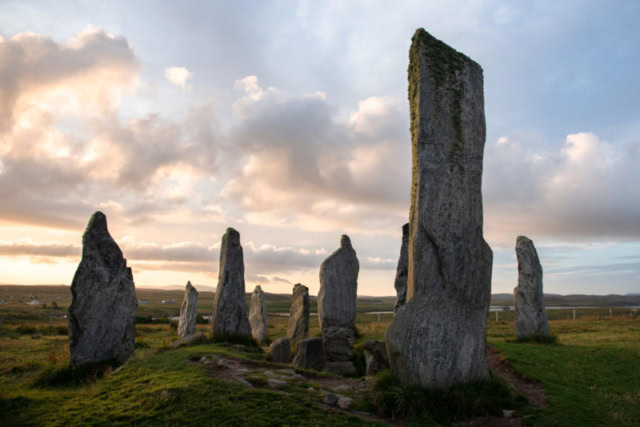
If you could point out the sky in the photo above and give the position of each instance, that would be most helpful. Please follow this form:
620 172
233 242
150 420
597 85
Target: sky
289 121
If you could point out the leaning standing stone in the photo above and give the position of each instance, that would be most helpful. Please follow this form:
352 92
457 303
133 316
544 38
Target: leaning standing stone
258 316
339 287
531 317
402 270
188 312
102 315
438 338
229 305
299 315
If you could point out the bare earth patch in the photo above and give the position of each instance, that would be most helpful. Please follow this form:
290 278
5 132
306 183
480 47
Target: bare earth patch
526 386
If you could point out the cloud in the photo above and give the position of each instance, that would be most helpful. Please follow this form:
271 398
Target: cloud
26 247
299 163
178 75
581 190
68 147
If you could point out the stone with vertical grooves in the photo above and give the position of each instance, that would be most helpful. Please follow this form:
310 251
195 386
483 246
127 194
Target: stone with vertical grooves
280 351
229 306
258 316
102 315
298 327
531 317
188 312
438 338
310 354
402 270
339 287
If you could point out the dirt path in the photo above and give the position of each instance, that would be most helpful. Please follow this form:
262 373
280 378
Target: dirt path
233 369
527 387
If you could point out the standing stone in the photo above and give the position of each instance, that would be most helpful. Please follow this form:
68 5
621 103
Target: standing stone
229 306
280 351
102 315
375 357
531 317
258 316
310 354
338 287
438 338
188 312
299 314
402 270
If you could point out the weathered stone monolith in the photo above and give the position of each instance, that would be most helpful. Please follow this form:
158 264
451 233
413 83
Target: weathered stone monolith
531 317
438 338
338 287
188 312
229 306
102 315
280 350
310 354
402 270
258 316
298 328
375 357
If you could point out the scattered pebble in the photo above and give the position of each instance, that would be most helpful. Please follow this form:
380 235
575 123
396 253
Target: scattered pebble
345 402
331 399
508 413
268 373
276 383
203 359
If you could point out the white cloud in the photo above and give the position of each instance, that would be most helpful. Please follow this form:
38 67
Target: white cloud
179 76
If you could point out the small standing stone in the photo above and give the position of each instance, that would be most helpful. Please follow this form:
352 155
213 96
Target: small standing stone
338 344
531 317
310 354
298 327
258 316
229 306
102 315
339 287
375 356
402 271
280 350
188 312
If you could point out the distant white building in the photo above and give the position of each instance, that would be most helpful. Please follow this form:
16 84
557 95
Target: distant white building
168 301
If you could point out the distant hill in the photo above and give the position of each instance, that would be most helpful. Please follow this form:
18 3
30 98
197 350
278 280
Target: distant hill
280 302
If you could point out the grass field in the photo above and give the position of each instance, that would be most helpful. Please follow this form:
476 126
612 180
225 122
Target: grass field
591 375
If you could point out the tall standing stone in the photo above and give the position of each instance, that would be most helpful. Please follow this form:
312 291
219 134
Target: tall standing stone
102 315
339 287
258 316
188 312
438 338
229 305
298 328
531 317
403 270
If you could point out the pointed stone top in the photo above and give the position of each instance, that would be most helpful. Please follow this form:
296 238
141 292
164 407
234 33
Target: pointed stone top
257 289
232 236
521 240
405 229
297 285
97 224
189 285
345 241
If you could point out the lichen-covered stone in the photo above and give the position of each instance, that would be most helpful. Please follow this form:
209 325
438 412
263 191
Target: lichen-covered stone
102 315
375 356
280 351
258 316
188 312
229 306
402 271
298 327
438 338
531 317
310 354
339 287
